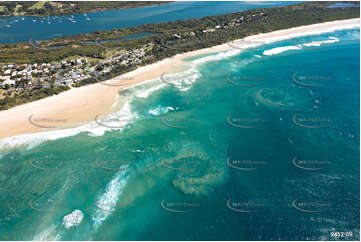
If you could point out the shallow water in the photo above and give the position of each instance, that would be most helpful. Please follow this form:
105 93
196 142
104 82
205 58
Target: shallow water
244 147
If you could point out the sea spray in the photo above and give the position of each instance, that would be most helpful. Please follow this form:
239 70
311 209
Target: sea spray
107 201
184 157
73 219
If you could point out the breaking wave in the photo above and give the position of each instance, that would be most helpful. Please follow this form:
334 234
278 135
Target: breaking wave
107 202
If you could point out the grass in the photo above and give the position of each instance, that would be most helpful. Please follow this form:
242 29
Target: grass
112 52
38 5
88 59
2 93
56 4
2 9
16 9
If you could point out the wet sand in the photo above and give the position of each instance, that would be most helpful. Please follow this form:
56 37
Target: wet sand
80 105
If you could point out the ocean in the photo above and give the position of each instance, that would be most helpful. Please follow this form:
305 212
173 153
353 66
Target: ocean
259 144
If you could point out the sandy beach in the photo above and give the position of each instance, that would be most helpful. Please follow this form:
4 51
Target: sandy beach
80 105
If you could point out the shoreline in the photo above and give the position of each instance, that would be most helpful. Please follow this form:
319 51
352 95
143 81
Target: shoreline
81 105
96 10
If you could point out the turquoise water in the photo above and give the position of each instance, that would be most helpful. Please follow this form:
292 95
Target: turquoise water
16 29
240 146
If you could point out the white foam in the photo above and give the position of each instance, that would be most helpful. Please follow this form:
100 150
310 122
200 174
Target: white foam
279 50
183 80
218 56
32 140
107 201
114 121
147 92
160 110
93 129
279 35
73 219
301 31
319 43
48 234
29 141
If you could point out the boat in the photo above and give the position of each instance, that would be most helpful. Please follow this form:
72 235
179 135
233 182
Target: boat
8 25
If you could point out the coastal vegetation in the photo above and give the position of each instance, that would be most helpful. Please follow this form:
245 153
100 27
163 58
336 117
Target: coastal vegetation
46 8
11 99
112 55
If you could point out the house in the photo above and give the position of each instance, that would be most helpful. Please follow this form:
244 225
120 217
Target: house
5 78
9 82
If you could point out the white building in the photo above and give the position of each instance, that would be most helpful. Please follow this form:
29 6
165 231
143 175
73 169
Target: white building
9 82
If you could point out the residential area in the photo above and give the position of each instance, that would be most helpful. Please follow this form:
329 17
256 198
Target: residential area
71 72
17 77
